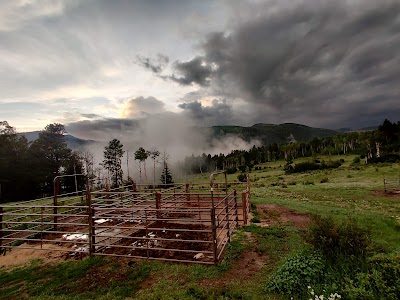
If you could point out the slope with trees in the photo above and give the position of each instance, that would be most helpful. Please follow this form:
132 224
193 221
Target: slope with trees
379 145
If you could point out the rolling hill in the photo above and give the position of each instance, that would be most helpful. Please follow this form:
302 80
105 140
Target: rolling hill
266 133
72 141
273 133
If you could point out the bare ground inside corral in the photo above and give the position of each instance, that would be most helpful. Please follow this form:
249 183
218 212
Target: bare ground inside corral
249 263
19 256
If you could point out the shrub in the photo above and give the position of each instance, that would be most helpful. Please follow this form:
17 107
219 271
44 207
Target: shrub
389 158
296 272
311 166
308 182
324 180
292 183
356 160
242 177
339 240
380 281
232 170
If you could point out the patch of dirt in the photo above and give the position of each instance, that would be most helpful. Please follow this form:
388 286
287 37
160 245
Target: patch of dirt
18 256
246 266
104 276
380 193
272 214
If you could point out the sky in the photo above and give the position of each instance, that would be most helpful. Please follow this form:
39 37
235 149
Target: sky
108 68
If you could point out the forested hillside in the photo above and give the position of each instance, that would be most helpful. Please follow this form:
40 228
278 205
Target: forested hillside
273 133
379 145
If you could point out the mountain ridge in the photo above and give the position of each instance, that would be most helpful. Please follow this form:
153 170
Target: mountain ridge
266 133
274 133
72 141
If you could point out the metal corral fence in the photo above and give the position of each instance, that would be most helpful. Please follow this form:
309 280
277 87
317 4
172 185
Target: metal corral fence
391 183
183 223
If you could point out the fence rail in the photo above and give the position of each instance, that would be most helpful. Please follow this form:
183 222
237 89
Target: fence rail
185 223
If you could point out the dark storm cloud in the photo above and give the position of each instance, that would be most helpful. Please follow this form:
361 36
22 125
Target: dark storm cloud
156 65
218 113
312 61
193 96
102 129
91 116
194 71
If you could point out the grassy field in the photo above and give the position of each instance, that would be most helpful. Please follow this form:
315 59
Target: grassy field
258 256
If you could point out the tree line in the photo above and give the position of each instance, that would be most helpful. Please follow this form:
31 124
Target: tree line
28 169
112 162
382 144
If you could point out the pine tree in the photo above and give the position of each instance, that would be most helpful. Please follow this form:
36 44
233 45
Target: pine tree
166 176
49 155
112 161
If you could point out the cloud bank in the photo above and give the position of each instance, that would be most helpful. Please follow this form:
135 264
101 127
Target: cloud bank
322 63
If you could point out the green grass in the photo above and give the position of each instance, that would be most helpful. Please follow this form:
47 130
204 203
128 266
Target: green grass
349 191
84 279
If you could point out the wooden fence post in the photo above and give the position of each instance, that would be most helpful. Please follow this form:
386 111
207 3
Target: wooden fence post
1 228
107 190
158 204
248 186
226 184
198 205
214 236
55 202
187 194
236 208
244 208
227 218
91 212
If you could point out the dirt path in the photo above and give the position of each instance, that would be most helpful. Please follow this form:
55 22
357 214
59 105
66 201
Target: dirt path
246 266
272 214
251 262
393 194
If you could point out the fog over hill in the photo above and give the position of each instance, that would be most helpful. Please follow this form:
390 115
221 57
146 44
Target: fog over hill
180 140
72 141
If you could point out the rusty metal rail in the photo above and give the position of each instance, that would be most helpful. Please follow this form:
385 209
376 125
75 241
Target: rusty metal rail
185 223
